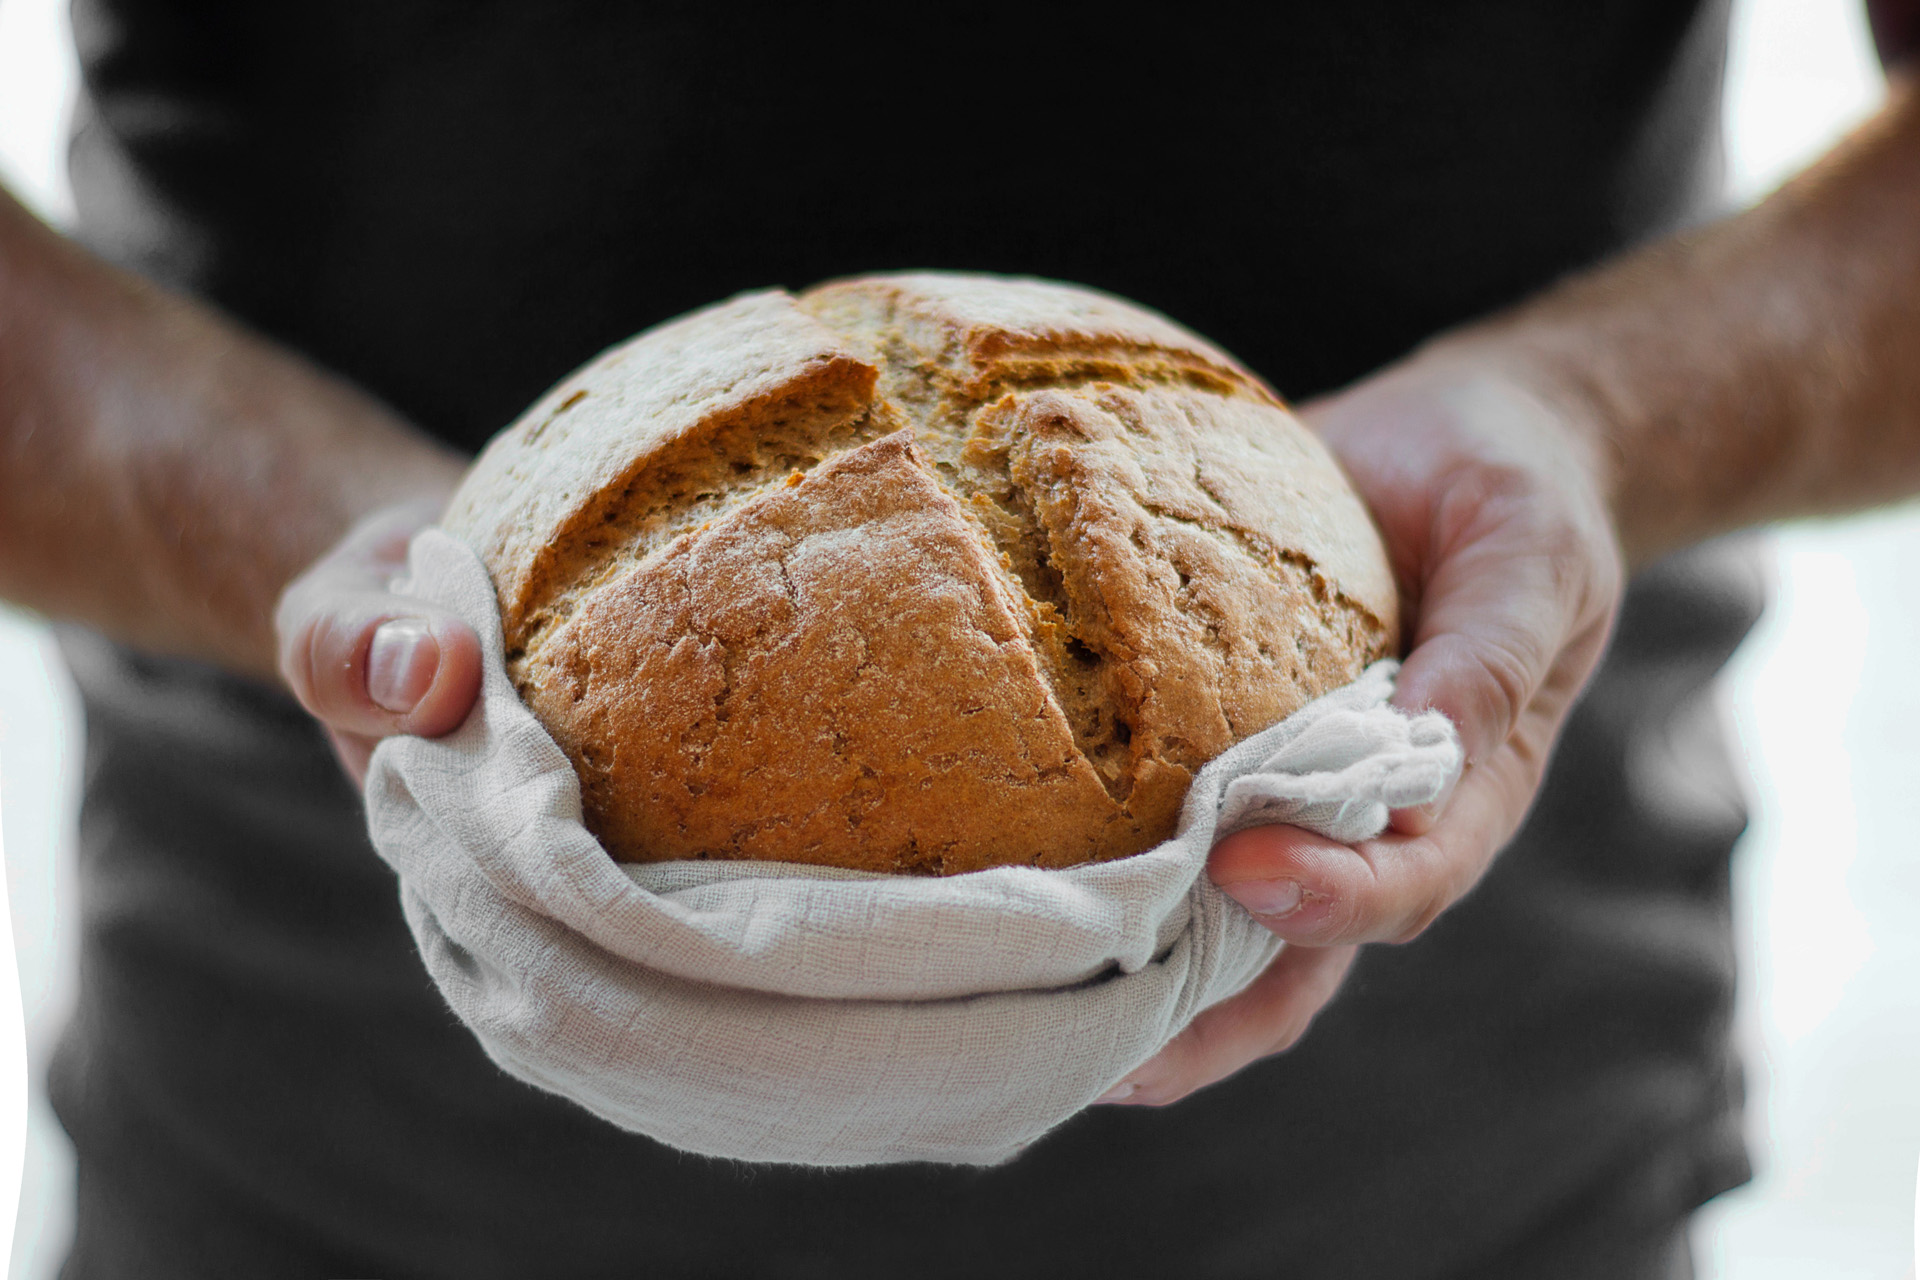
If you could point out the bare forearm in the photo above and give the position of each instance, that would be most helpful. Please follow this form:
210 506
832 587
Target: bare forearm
163 474
1763 367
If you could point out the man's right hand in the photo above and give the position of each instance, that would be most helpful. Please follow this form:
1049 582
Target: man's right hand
365 662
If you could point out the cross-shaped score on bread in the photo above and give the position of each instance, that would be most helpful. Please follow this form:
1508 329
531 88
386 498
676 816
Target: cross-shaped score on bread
921 573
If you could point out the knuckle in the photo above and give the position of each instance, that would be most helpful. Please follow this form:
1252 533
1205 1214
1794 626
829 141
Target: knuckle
1423 916
1445 873
1164 1086
1439 881
1336 913
1290 1033
1199 1044
1506 680
1481 492
1348 916
1567 528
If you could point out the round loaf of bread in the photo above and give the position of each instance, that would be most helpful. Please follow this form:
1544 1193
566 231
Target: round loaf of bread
916 573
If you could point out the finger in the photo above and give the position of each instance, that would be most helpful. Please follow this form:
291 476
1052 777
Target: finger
369 663
1506 634
1316 891
1269 1016
1497 616
1420 819
1500 541
1312 890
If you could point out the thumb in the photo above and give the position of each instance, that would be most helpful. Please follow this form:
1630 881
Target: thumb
368 663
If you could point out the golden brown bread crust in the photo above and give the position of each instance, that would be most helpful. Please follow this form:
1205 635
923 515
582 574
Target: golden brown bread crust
918 573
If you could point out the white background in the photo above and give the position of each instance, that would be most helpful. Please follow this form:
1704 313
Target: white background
1825 697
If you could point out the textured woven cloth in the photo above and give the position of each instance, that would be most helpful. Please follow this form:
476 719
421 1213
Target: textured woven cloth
806 1015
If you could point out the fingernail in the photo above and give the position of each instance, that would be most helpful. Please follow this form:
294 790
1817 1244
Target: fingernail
1119 1093
1266 897
400 663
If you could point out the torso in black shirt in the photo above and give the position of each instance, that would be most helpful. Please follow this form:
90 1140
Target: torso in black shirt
456 203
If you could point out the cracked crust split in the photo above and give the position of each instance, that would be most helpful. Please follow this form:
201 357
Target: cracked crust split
916 573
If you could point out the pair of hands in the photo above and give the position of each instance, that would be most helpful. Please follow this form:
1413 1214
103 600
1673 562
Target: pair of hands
1491 498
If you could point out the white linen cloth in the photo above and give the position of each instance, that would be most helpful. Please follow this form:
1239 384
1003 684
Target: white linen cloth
806 1015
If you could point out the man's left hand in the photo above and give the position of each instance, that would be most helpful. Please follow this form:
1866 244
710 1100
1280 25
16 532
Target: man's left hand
1490 499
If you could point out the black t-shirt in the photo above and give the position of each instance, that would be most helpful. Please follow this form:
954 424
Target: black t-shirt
454 204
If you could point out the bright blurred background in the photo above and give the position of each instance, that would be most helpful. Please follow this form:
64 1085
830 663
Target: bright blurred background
1824 698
